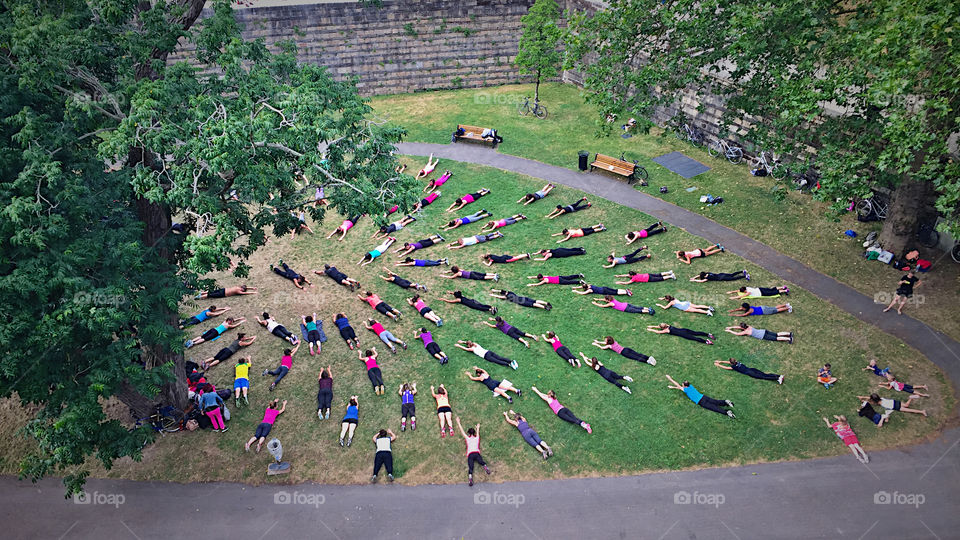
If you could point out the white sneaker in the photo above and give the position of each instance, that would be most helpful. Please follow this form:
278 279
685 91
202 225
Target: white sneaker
627 378
780 380
627 389
652 361
789 308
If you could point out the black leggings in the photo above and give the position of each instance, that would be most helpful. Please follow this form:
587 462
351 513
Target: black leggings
570 280
768 291
632 257
383 458
474 457
324 397
757 374
634 355
656 228
596 289
473 304
714 405
560 253
575 207
611 376
281 331
565 353
652 278
347 333
376 378
724 277
286 272
686 333
565 414
496 358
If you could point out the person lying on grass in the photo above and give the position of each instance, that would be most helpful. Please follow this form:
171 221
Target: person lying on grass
687 256
586 288
560 210
227 291
757 292
208 313
707 402
437 182
338 276
467 199
228 351
843 430
528 433
745 329
387 230
511 331
490 258
524 301
499 388
497 224
277 329
611 344
610 302
424 310
215 332
735 365
536 195
685 305
746 310
474 240
704 277
428 168
455 272
466 220
637 277
410 247
344 228
629 258
893 384
459 298
561 349
609 375
377 251
391 277
572 279
567 234
656 228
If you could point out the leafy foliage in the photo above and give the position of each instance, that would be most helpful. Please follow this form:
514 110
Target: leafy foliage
539 48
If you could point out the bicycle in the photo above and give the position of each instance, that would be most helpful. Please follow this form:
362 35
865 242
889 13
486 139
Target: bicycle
538 110
732 152
772 165
691 134
639 172
955 253
875 205
165 419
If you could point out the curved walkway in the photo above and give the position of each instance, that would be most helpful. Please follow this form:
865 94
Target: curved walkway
937 346
910 492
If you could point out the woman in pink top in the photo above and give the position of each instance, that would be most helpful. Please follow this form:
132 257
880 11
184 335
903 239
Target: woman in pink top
636 277
561 411
434 184
610 343
425 310
286 363
269 417
384 335
611 302
656 228
561 349
467 199
426 201
573 279
344 227
472 438
849 438
373 370
494 225
379 305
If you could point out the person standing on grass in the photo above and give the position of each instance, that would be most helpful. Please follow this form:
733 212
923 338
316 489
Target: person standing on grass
905 288
286 363
735 365
350 420
707 402
529 434
843 430
324 393
263 429
211 404
472 438
408 409
384 455
443 409
562 412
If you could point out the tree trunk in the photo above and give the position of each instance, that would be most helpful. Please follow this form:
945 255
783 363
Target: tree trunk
140 405
536 89
907 205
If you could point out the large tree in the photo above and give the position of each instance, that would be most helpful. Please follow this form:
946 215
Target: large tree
538 51
105 146
872 86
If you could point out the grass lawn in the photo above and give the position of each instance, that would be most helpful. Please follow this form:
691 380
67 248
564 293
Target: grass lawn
797 226
653 429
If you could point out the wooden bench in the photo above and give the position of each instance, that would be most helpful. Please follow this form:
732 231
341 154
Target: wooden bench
473 133
614 165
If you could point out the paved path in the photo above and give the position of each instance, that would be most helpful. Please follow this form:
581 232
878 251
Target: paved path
912 492
823 498
935 345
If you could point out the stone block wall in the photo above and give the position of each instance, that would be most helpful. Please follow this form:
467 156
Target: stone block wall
402 46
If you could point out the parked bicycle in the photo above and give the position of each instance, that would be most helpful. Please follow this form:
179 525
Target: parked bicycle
639 172
772 165
732 152
874 206
537 109
165 419
691 134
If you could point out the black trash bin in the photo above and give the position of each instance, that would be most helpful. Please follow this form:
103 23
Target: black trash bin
584 158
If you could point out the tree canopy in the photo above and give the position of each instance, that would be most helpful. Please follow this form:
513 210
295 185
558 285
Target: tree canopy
105 146
539 47
870 85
